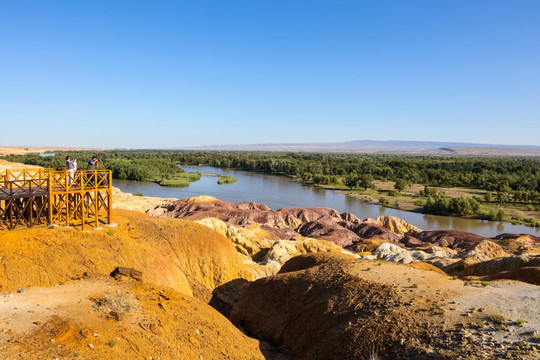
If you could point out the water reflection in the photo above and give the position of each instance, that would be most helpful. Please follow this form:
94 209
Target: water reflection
281 192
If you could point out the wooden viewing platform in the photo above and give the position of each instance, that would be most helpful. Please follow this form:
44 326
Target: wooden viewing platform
46 196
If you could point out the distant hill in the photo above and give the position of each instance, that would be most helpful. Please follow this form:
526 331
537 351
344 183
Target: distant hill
388 147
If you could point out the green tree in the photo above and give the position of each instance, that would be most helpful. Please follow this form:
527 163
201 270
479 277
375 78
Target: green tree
351 180
366 181
401 184
307 176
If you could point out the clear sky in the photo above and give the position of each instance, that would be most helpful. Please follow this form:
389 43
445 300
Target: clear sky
149 74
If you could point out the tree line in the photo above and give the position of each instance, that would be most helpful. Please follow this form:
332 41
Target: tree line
507 178
518 178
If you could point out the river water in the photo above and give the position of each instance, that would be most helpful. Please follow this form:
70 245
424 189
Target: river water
281 192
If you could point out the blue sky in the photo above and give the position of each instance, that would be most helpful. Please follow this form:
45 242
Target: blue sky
154 74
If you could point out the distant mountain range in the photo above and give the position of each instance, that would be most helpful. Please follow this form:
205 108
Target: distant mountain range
388 147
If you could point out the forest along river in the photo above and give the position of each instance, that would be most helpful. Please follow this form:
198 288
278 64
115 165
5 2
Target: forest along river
279 192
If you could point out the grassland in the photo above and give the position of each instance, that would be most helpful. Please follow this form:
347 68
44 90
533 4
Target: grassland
410 200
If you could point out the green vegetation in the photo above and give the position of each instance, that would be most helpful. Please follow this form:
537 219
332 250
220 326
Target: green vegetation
176 182
483 283
401 184
492 174
180 180
480 324
492 215
427 192
520 322
497 318
442 205
226 180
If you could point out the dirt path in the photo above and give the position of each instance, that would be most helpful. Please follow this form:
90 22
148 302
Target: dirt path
21 312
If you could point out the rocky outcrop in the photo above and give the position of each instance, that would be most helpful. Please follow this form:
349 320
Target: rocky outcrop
321 223
269 237
282 250
260 245
318 307
522 238
518 242
484 250
523 268
368 231
394 224
327 229
453 239
395 253
248 241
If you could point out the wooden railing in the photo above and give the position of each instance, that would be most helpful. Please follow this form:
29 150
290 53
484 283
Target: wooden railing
69 198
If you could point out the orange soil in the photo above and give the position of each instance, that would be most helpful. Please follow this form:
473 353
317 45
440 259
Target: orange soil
62 322
167 251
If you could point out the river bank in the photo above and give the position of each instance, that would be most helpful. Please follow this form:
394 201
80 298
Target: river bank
409 200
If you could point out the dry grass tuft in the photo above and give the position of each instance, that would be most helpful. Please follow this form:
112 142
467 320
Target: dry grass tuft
117 305
497 318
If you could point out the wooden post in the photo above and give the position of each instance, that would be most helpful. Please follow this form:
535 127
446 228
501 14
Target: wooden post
109 196
95 177
49 205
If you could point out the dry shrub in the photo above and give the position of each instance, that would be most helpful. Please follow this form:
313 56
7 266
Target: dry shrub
117 305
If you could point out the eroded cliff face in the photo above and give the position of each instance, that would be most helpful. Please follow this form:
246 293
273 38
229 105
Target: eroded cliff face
272 237
323 223
167 251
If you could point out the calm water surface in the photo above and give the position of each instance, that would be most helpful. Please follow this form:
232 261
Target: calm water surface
281 192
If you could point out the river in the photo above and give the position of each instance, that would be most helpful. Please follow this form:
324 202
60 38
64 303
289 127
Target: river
282 192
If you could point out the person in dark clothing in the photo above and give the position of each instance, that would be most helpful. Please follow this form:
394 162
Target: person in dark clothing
93 163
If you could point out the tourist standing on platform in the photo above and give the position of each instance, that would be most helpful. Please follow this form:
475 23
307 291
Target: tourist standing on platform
71 164
93 163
